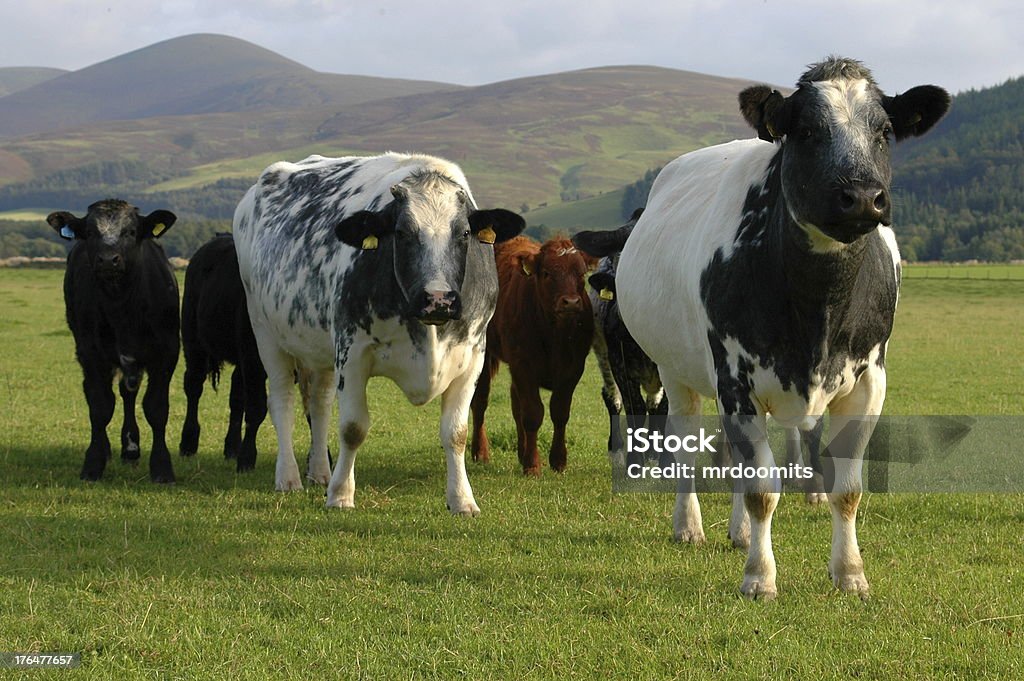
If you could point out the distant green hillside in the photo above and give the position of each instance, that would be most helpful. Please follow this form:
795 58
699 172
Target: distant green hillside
960 189
531 141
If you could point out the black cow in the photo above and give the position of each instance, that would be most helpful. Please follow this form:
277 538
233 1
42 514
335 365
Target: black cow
122 308
215 329
625 367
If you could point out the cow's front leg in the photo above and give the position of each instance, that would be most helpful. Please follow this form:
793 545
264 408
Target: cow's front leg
99 395
748 438
481 448
526 394
353 425
853 420
155 405
130 440
455 403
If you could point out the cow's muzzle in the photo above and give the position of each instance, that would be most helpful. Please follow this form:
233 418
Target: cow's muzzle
438 307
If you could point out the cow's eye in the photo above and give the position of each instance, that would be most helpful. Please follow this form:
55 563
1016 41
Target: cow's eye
804 133
465 235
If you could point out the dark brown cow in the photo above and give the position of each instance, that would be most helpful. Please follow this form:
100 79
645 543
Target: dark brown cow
542 328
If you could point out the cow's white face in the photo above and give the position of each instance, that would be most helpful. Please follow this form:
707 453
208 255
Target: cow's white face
423 237
836 131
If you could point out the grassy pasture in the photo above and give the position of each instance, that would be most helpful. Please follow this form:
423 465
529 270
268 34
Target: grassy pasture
218 576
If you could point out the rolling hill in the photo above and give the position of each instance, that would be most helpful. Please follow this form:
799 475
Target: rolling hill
15 78
527 143
193 74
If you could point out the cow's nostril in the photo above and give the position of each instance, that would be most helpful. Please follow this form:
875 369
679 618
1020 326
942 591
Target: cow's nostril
847 201
881 201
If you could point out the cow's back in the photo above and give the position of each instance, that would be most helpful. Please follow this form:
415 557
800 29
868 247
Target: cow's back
694 209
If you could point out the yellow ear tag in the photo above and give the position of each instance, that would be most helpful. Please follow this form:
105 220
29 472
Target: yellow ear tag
159 228
607 294
370 243
486 235
526 268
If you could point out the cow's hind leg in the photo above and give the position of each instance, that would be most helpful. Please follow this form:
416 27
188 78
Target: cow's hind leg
255 381
320 389
455 404
130 443
280 369
195 377
353 426
99 394
236 414
684 413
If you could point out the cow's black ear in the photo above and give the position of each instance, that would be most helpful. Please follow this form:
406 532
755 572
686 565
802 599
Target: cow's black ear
361 229
156 223
604 284
600 243
766 111
496 225
66 225
915 111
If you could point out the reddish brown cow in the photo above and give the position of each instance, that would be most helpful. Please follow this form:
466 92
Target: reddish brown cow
542 328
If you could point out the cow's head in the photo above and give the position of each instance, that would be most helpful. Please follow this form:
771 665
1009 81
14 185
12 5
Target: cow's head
113 232
423 236
559 270
836 130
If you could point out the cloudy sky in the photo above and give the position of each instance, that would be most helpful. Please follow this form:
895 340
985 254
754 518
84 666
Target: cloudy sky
959 45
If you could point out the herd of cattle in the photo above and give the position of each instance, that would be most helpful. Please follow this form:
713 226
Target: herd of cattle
763 273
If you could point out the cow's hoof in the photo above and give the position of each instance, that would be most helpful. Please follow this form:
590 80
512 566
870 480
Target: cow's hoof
740 540
689 535
288 485
341 503
855 583
558 467
816 498
186 452
468 509
532 471
759 588
162 478
90 476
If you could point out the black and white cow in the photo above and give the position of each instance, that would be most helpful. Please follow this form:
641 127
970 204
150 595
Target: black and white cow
765 273
625 367
369 266
215 329
121 299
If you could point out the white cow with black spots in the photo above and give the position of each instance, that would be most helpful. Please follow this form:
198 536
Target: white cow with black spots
369 266
765 273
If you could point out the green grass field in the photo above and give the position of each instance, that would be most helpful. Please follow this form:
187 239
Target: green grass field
220 577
